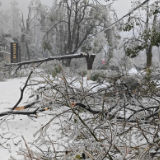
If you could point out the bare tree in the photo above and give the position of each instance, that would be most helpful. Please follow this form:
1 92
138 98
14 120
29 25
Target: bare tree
74 25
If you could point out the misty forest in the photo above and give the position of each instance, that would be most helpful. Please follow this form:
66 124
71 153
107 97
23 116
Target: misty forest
78 81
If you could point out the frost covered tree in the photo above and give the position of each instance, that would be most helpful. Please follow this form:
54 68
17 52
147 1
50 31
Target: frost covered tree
74 25
145 33
10 19
15 18
28 30
4 20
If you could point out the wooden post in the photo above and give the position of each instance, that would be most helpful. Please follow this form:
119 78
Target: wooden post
90 60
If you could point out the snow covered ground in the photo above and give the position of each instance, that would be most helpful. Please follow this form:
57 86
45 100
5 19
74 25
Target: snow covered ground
13 127
10 92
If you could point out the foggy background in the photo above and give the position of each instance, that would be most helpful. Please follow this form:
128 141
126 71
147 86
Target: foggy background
121 6
23 4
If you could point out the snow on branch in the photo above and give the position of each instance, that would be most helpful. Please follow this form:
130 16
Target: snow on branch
70 56
127 14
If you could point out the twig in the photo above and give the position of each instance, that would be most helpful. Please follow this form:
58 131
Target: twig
27 148
18 112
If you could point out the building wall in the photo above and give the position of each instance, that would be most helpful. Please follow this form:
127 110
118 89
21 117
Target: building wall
5 56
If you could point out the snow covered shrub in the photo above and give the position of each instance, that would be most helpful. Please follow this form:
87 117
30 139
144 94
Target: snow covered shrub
52 69
56 70
1 72
113 68
131 82
82 73
78 64
97 76
2 78
102 67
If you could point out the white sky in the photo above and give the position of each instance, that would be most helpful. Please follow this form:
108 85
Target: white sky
121 6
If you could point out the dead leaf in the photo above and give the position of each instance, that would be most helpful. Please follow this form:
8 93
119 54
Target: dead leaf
73 104
19 108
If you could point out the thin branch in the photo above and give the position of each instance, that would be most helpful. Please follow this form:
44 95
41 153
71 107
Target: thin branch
22 91
126 15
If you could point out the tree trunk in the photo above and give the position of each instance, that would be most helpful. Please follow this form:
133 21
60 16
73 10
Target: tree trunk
88 74
149 49
90 60
149 56
28 53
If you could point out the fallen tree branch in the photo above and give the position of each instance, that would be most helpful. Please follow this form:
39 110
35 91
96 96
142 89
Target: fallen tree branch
111 116
25 106
30 155
22 91
19 112
16 110
80 55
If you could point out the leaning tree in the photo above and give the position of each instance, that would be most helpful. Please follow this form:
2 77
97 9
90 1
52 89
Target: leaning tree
71 26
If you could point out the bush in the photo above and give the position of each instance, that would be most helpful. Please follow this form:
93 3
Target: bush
56 71
103 67
52 69
141 67
82 73
97 76
114 68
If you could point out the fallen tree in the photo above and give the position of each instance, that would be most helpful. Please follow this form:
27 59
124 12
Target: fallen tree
89 61
104 119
